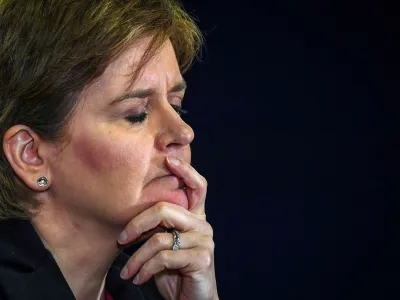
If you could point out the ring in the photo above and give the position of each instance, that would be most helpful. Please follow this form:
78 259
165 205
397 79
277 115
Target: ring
177 239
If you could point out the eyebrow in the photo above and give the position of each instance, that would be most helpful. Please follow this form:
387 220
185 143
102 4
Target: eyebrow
144 93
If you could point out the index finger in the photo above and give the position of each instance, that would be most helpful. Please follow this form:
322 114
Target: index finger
166 215
196 183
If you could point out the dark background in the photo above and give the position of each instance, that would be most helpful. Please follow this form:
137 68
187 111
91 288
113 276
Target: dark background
292 110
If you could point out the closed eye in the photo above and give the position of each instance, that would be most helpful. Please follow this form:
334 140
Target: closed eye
179 109
139 118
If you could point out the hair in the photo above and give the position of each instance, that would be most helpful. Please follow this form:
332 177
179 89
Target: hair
50 50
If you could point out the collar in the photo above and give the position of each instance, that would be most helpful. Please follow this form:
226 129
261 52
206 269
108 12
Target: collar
29 271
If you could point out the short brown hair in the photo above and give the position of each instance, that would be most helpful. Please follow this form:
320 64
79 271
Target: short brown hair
50 50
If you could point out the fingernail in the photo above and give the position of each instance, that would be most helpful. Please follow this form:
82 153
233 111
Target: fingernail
124 272
123 236
173 161
136 279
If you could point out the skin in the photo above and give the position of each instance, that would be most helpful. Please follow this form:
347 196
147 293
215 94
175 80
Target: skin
108 187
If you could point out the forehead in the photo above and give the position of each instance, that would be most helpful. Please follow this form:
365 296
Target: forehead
161 72
162 66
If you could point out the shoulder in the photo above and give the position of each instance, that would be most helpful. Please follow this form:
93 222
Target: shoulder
27 269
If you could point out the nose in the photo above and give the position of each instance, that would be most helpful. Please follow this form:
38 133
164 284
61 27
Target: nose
173 132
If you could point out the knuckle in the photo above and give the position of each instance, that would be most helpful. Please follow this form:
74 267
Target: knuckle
158 239
145 269
210 244
209 230
132 229
162 257
131 261
205 257
204 182
161 207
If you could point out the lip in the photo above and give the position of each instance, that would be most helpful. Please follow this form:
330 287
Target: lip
177 195
180 180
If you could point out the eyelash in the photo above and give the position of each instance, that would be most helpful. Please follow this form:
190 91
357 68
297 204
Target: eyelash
142 117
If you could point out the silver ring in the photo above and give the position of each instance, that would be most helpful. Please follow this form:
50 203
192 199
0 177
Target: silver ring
177 240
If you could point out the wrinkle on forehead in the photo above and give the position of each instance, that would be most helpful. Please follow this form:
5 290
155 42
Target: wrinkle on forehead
128 60
117 77
127 64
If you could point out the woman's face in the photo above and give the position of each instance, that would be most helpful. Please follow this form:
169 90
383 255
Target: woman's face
111 169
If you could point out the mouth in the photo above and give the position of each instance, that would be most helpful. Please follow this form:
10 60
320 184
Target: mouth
168 188
179 181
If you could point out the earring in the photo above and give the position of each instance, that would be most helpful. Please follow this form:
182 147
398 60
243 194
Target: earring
42 181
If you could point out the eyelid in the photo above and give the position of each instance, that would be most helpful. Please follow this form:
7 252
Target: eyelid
179 94
180 111
136 108
175 100
138 118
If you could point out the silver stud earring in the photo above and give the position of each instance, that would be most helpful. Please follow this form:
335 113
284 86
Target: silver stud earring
42 181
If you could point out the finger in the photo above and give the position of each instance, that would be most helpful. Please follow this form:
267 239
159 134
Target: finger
196 183
166 215
150 233
160 242
201 216
186 261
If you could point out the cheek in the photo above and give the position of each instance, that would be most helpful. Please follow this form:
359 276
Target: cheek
106 155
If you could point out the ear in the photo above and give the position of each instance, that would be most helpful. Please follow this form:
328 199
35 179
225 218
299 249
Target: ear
22 147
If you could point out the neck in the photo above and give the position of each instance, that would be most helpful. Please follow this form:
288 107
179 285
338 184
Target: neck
83 249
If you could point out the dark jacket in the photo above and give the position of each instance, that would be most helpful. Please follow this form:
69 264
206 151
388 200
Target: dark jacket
29 271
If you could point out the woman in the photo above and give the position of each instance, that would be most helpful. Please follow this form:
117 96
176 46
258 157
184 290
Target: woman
95 155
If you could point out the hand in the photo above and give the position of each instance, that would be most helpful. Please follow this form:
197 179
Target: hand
188 273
